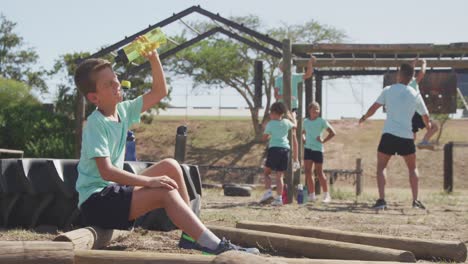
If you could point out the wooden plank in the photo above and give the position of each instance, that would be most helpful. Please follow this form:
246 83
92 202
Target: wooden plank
421 248
381 63
36 252
403 48
122 257
311 247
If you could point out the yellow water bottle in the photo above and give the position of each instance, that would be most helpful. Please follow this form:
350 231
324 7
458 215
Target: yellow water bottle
150 41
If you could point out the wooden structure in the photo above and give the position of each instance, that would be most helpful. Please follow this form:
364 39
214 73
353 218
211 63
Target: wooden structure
369 59
448 164
91 237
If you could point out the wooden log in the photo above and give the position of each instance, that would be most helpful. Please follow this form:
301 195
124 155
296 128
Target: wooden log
417 48
236 257
91 237
380 63
311 247
36 252
421 248
122 257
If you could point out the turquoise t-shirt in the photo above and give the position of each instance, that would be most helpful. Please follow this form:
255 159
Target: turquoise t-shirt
278 131
414 84
313 129
401 101
104 138
296 78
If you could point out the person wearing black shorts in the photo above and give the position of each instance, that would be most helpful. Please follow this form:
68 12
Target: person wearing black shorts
401 102
312 131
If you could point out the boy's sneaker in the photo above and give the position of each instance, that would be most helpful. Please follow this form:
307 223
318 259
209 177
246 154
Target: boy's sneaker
311 198
425 145
417 204
380 204
188 242
267 197
278 201
326 199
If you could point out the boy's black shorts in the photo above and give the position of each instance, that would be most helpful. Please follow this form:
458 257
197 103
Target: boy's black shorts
109 208
277 158
391 145
417 122
313 155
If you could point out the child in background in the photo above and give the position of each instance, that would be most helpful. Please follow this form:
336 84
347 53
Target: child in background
313 149
278 149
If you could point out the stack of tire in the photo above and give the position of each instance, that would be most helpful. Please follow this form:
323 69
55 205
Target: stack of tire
37 192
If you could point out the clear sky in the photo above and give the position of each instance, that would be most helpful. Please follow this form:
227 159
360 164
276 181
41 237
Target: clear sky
56 27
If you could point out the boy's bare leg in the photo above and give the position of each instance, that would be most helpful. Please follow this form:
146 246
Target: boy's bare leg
382 161
147 199
321 176
267 172
308 164
413 174
430 132
170 168
279 182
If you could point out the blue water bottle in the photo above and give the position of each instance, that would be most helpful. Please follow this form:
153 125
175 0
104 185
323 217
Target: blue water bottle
130 150
300 194
305 194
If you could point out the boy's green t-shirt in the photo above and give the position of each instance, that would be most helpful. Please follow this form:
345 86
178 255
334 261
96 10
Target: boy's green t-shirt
296 78
104 138
278 131
313 129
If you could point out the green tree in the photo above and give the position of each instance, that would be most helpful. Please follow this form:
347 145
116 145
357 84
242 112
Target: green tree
16 61
25 124
224 63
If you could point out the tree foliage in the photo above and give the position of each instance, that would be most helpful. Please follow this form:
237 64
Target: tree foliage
16 61
224 63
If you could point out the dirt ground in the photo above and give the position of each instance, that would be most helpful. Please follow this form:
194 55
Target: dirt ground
446 217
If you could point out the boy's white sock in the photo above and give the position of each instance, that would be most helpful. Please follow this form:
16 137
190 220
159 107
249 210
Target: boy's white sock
209 240
312 195
326 194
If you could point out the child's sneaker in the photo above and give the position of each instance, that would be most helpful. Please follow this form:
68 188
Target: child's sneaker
425 145
312 198
417 204
278 201
326 198
267 197
380 204
188 242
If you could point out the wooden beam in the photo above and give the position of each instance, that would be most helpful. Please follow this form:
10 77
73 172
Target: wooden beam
380 63
36 252
421 248
311 247
122 257
417 48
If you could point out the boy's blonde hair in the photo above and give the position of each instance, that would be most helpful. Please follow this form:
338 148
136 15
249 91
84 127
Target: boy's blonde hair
85 74
313 105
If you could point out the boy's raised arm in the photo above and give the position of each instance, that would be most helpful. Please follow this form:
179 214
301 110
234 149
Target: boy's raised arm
159 87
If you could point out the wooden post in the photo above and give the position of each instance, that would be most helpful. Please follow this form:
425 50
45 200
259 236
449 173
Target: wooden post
180 144
309 93
297 174
258 81
448 167
287 63
358 177
91 237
